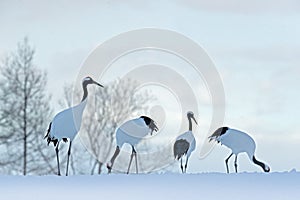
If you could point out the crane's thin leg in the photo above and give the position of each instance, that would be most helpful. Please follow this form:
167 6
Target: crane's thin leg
235 163
186 162
181 165
131 157
57 158
226 162
112 160
136 163
69 153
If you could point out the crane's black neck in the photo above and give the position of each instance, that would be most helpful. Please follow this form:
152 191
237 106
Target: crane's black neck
85 92
261 164
190 124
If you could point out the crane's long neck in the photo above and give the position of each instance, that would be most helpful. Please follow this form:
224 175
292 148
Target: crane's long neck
190 124
265 167
85 92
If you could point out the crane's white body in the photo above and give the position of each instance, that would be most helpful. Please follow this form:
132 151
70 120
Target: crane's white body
238 142
189 137
132 132
66 123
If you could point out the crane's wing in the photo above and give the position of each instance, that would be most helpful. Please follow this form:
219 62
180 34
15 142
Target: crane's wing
66 123
180 148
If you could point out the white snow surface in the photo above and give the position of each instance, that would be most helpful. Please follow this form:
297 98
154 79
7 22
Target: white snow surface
285 185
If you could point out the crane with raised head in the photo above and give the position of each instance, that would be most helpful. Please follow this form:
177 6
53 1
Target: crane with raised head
66 124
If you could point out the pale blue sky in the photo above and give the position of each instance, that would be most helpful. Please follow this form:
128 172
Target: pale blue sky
255 46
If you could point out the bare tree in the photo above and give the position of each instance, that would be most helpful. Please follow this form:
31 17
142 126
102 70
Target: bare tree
107 108
24 113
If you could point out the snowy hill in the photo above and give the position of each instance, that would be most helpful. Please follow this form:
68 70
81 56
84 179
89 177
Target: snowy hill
154 186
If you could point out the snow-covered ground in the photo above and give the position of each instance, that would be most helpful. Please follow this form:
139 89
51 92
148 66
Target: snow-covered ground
221 186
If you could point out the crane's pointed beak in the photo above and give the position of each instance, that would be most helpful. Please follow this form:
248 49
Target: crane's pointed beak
98 84
195 120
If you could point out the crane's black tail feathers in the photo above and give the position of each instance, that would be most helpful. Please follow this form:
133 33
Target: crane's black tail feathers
218 133
261 164
48 131
49 138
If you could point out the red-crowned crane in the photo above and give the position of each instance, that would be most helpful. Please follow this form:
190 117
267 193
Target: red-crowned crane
66 123
132 132
238 142
185 143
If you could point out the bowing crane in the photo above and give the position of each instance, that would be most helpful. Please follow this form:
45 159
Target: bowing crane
132 132
238 142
